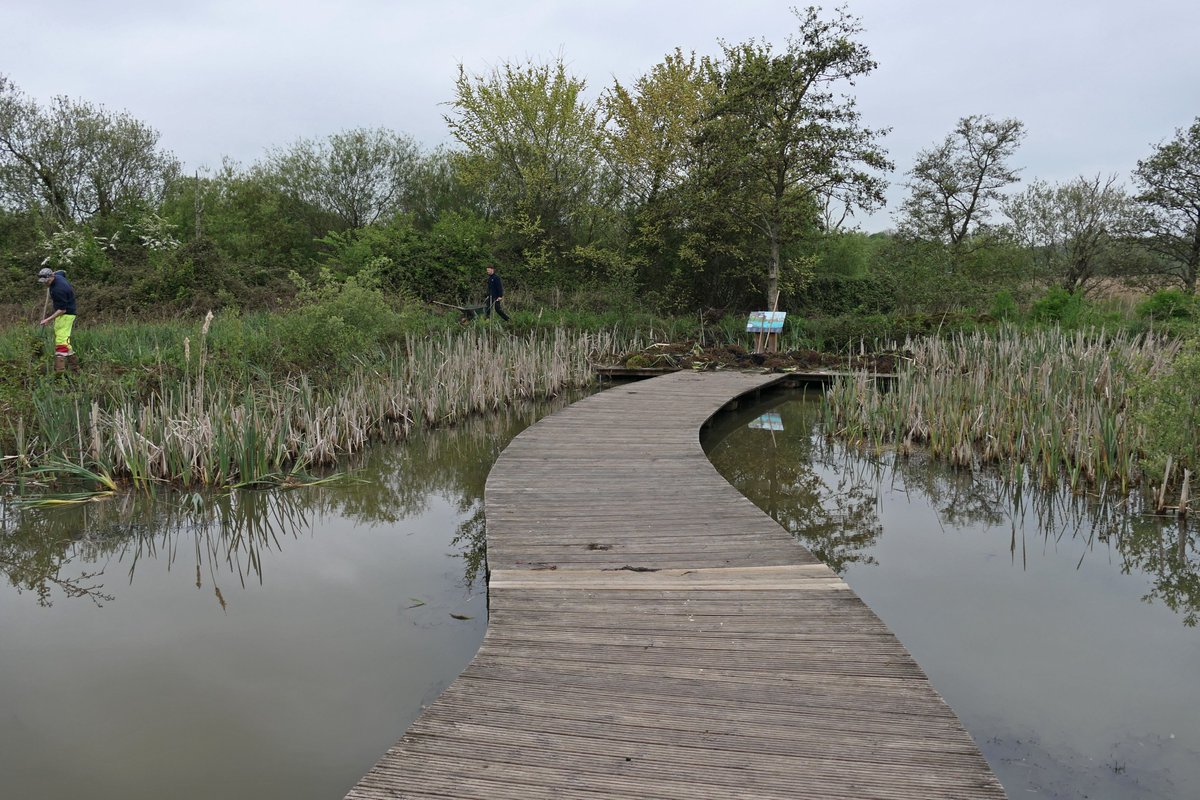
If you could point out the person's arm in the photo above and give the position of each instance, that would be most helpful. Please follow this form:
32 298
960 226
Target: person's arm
58 313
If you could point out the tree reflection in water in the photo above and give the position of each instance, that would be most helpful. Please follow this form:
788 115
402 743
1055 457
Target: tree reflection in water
838 522
828 497
70 551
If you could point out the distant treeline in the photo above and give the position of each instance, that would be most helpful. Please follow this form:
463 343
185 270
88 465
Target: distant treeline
727 183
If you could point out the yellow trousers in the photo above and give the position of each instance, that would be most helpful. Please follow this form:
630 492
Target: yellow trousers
62 335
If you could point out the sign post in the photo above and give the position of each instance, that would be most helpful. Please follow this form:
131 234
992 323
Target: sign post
768 325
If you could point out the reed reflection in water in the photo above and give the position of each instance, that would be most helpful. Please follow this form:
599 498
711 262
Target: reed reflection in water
255 643
1060 628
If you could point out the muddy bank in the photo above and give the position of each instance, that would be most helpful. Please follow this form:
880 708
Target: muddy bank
691 355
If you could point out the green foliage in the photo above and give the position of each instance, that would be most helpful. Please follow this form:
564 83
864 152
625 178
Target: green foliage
706 184
1059 305
337 325
1168 408
772 112
651 129
955 184
357 177
848 254
77 252
533 151
1079 230
848 332
1169 304
72 161
843 294
1004 306
260 231
445 263
1170 194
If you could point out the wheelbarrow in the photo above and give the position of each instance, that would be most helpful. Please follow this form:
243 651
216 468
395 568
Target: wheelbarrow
468 312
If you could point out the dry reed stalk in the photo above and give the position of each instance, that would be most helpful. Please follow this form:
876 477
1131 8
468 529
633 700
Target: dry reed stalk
202 432
1056 403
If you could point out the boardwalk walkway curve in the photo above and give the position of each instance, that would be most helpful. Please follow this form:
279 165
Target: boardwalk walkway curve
653 634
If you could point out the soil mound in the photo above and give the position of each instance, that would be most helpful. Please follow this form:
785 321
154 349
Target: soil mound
692 355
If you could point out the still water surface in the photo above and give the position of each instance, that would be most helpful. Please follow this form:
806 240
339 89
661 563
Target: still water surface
1060 630
261 644
275 644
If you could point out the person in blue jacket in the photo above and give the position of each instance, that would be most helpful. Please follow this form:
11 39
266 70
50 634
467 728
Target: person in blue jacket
495 294
62 295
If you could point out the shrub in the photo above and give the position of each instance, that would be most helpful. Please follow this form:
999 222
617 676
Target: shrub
1058 305
843 294
1169 411
336 324
1168 304
1004 305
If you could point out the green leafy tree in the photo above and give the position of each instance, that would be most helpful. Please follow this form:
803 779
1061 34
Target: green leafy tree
1079 228
74 161
437 189
1169 181
357 177
779 141
955 183
650 129
259 230
445 262
532 151
652 124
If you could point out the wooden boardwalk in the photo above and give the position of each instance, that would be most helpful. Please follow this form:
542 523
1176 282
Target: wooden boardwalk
652 634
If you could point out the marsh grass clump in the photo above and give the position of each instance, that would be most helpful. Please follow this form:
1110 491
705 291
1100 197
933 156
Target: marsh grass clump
203 429
1050 405
1168 410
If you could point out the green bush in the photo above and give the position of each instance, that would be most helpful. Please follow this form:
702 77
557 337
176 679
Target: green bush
337 325
1004 306
1058 305
843 294
1168 304
1169 411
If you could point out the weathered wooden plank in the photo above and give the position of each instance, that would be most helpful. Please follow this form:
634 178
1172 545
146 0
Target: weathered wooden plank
652 634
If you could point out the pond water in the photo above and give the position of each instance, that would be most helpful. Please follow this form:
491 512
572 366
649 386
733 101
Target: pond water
1060 629
260 644
276 643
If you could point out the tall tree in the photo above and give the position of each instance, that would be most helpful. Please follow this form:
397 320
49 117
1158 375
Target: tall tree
778 140
652 124
650 129
74 160
1170 193
955 183
533 151
437 189
358 176
1078 228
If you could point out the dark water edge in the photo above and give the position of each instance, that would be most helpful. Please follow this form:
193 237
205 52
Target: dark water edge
1060 629
249 644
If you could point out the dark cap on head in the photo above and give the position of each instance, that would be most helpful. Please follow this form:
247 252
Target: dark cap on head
45 274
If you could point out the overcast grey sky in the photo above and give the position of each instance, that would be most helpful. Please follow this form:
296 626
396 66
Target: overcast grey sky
1096 83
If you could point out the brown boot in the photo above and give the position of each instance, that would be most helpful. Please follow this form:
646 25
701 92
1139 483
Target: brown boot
60 363
73 362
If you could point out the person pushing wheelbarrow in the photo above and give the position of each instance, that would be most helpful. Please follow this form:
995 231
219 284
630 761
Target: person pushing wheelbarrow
495 294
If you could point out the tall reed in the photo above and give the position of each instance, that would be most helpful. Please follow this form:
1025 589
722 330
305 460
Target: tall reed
1051 406
206 431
